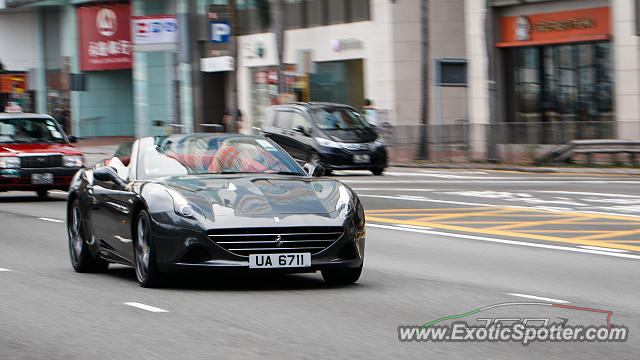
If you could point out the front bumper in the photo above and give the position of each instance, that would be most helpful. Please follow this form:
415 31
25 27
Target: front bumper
20 179
343 159
181 248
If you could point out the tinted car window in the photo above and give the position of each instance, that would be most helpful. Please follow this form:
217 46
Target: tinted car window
338 119
24 130
298 119
282 119
123 152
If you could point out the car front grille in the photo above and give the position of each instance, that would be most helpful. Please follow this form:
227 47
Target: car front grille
40 161
276 240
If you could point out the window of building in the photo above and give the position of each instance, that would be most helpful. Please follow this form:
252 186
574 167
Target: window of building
359 10
294 14
315 11
563 92
337 11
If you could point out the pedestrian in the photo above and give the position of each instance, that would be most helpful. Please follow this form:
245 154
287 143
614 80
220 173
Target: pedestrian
227 122
370 112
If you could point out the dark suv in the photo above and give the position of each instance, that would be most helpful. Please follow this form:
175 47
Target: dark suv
336 136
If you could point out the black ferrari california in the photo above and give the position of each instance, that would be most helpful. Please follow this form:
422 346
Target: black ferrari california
222 201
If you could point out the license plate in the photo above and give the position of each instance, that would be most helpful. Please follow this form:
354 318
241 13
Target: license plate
361 158
272 261
42 179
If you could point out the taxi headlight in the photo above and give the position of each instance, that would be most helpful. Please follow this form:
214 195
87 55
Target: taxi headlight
9 162
72 161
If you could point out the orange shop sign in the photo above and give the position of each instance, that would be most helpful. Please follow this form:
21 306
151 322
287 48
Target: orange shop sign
557 27
13 83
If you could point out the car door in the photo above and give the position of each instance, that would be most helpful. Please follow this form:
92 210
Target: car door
282 132
301 136
111 205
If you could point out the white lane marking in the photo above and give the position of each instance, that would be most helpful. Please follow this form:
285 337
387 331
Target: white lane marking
59 192
3 269
415 227
52 220
603 249
584 193
508 242
391 189
490 181
145 307
543 208
540 298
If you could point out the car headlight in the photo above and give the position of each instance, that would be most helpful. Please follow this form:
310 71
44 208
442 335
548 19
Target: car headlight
9 162
328 143
181 205
72 161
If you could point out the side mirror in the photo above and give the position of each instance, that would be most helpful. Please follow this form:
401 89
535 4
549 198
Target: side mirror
301 130
314 169
73 139
107 173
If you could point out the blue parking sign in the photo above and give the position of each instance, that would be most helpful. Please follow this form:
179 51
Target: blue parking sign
219 31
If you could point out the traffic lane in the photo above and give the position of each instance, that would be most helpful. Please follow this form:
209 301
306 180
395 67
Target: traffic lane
27 203
247 317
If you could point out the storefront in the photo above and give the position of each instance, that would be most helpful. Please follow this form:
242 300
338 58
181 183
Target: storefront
558 70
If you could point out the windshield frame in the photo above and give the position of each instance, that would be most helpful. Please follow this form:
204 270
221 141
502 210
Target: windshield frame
151 144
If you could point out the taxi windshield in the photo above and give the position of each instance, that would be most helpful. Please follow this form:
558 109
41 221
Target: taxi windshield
171 156
26 130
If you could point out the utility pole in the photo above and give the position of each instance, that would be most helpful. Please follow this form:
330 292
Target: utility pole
234 73
277 11
425 64
491 85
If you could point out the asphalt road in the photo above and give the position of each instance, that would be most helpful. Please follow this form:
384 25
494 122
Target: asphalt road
439 243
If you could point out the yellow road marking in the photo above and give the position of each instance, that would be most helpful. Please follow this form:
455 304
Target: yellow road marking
517 228
529 224
609 234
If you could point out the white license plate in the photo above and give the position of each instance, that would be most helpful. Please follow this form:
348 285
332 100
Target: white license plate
272 261
42 179
362 159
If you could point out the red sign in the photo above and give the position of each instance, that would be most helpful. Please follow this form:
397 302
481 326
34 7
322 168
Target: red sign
105 37
556 27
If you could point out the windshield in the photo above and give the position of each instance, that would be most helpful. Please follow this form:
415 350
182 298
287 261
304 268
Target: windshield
29 131
338 118
174 156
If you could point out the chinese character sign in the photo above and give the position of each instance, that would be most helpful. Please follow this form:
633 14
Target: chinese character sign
158 29
105 37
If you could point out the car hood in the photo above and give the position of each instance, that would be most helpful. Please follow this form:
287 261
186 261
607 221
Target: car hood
18 149
263 196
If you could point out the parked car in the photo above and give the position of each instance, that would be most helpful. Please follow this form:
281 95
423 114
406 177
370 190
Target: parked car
36 154
336 136
216 201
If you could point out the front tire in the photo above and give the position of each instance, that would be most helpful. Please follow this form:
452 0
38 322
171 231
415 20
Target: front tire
342 276
147 272
81 258
377 171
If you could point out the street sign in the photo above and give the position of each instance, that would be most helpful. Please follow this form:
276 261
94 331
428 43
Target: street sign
159 29
219 31
216 64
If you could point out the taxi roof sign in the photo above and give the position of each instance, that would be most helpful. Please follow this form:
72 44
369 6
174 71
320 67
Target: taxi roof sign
12 108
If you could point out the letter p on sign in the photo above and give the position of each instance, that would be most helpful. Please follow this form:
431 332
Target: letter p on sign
220 31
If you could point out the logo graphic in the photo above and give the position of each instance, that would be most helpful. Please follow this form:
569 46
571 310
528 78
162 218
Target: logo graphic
523 29
542 323
279 241
220 31
106 22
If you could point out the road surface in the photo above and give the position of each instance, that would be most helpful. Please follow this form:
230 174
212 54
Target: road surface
439 243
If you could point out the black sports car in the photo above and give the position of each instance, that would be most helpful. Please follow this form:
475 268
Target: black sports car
213 201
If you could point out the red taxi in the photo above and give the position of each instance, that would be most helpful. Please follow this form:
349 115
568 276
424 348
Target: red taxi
36 154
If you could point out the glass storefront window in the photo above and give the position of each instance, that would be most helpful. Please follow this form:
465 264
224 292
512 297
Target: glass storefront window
565 89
